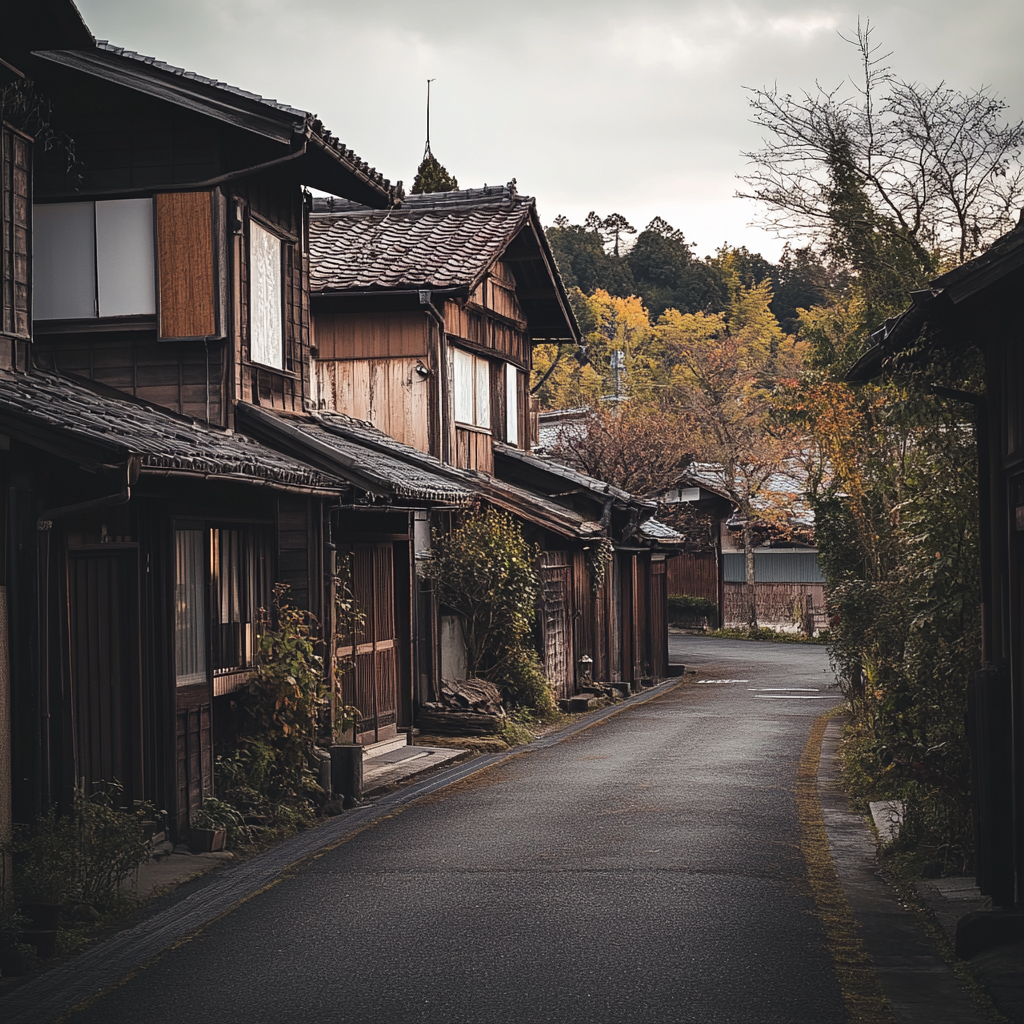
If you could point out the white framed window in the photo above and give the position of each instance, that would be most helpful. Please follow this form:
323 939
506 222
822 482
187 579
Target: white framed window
94 259
266 301
471 381
189 607
511 404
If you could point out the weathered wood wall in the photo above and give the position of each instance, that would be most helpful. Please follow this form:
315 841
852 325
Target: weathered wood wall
694 573
775 604
370 335
474 449
182 376
389 393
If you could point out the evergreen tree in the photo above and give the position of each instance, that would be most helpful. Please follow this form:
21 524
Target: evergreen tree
432 176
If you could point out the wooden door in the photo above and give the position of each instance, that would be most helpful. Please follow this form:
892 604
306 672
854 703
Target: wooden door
557 621
106 667
372 684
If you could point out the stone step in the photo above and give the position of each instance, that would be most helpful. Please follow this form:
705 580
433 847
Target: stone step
372 750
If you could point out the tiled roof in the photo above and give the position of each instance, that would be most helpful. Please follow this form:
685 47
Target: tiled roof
655 529
103 44
535 507
403 478
445 241
360 453
561 470
39 403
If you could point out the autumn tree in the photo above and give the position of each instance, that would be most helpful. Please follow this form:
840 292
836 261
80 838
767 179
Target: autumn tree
641 447
726 369
890 182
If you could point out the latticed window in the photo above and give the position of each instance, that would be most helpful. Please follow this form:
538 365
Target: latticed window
15 261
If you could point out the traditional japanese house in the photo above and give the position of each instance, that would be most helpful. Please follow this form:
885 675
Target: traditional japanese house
977 308
167 287
423 320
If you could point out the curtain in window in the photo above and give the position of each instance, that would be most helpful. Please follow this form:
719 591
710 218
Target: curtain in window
189 607
240 589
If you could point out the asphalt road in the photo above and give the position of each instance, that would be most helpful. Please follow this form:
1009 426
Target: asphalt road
647 869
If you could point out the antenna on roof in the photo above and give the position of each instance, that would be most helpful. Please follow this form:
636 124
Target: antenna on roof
426 150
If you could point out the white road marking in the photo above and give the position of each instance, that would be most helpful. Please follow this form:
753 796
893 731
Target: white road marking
723 681
786 689
795 696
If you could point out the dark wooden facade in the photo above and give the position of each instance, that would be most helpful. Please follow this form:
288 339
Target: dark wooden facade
979 304
132 614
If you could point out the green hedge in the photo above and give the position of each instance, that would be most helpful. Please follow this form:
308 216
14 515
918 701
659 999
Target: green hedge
684 606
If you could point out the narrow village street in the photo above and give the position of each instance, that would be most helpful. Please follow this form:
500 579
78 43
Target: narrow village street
646 869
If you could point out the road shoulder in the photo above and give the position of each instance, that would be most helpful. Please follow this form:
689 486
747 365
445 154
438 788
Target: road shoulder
919 985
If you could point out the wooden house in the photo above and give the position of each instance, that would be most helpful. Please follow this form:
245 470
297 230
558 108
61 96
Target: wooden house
423 322
155 281
978 304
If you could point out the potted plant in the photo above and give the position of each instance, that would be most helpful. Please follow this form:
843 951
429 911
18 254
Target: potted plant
205 833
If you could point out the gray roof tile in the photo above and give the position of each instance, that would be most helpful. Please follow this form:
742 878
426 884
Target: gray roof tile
437 241
121 427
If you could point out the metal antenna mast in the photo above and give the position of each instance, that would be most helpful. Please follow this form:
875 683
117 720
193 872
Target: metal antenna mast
426 151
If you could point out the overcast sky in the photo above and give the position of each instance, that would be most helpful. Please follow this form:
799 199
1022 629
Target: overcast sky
634 107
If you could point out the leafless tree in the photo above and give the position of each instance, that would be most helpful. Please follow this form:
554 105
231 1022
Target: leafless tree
938 166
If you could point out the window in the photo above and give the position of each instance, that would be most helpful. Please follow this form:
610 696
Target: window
241 587
472 384
15 190
189 607
94 259
266 306
511 404
234 561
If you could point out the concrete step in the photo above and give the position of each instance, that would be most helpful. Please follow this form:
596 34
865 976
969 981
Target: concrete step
372 750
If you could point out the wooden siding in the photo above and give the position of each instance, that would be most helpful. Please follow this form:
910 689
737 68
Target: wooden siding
389 393
185 377
481 330
695 574
295 547
370 335
15 214
474 449
186 270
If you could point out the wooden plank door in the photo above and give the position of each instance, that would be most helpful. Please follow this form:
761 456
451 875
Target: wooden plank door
106 667
372 685
557 621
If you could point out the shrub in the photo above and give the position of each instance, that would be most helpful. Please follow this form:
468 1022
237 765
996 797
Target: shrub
524 685
86 855
684 606
284 703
